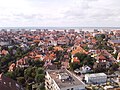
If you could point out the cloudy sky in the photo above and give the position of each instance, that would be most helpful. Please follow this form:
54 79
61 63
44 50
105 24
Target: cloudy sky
65 13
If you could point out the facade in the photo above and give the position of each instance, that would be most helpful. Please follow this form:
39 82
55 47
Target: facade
62 80
96 78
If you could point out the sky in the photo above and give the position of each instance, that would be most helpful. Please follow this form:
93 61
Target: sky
59 13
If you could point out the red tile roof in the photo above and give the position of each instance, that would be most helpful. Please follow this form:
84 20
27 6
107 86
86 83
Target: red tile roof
75 59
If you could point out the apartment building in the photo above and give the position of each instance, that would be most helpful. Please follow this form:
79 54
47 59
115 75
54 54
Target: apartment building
62 80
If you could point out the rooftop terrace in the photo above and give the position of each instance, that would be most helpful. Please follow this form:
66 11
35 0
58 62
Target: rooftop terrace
69 81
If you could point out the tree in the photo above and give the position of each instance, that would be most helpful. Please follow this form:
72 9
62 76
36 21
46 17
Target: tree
50 48
74 66
59 55
38 63
39 78
115 55
100 37
27 73
10 75
28 87
30 80
19 72
85 59
21 80
30 62
39 71
41 87
86 48
100 67
114 66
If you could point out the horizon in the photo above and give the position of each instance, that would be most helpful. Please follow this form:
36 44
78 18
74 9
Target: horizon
62 28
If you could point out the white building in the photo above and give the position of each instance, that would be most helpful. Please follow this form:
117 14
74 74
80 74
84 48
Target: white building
96 78
62 80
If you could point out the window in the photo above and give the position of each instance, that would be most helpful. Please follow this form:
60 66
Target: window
68 89
71 88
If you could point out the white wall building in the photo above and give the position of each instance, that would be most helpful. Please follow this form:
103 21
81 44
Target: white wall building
62 80
96 78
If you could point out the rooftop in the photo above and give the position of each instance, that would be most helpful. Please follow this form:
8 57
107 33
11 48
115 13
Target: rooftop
115 41
96 75
62 83
8 84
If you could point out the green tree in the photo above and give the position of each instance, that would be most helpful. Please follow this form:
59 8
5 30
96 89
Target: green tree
28 86
41 87
85 59
50 48
115 55
39 78
100 37
19 72
74 66
114 67
10 75
59 55
39 71
38 63
86 48
21 80
27 73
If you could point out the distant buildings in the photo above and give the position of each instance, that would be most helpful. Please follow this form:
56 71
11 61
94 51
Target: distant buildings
116 33
96 78
62 80
115 42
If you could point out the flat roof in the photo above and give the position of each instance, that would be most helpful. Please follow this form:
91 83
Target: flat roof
115 41
95 75
67 83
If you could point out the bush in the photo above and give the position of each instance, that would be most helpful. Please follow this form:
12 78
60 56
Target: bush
21 80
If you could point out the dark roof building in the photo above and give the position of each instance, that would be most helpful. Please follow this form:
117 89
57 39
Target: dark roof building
9 84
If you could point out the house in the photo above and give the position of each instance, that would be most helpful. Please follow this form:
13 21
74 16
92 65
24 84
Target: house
4 52
38 57
50 57
62 80
11 67
58 48
117 33
52 43
9 84
114 42
78 49
118 77
75 60
90 46
93 41
96 78
41 43
102 58
21 63
85 69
